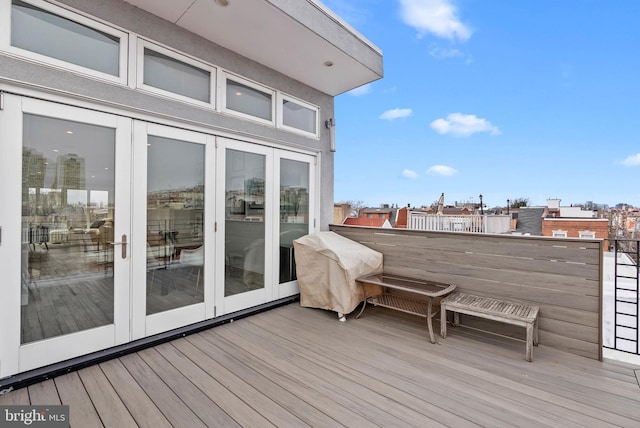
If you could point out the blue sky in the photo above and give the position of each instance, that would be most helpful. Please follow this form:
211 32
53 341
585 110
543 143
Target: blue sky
504 98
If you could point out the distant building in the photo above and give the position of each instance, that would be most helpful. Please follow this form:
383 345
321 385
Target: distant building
369 222
572 222
341 212
530 220
384 212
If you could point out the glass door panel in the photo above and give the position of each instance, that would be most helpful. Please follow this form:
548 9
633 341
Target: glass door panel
170 220
175 224
68 217
294 212
244 222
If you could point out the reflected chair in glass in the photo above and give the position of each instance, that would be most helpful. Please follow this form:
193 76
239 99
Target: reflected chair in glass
156 259
193 258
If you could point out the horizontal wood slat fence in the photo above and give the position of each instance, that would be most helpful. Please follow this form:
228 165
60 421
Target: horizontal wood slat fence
561 276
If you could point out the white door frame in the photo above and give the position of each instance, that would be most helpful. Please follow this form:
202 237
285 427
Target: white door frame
130 320
15 357
248 299
146 325
290 288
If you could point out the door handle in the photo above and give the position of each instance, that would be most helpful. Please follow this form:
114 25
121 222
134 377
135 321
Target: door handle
124 245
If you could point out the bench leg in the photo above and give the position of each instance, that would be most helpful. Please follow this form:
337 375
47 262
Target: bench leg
456 319
530 334
536 340
443 321
429 322
364 303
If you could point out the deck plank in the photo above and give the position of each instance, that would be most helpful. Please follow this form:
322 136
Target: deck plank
324 403
143 410
446 394
531 384
72 393
44 393
295 366
19 397
235 383
167 401
195 371
374 408
203 406
110 408
255 373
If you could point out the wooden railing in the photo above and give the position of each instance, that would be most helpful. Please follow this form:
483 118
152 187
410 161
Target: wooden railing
561 276
459 223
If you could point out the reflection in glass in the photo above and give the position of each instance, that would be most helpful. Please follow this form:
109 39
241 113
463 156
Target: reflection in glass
67 227
163 72
42 32
175 226
245 222
294 212
247 100
298 116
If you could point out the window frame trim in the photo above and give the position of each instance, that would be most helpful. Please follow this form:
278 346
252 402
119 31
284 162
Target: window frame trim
223 77
281 98
142 43
591 234
78 18
561 232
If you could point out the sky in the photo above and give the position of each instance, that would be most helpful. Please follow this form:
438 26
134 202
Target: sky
511 99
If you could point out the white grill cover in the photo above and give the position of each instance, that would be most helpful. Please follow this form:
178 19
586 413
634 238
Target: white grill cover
327 265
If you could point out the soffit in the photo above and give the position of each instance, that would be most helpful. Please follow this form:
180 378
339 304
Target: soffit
293 37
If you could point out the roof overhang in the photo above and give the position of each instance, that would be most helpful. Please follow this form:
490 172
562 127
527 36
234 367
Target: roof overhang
302 39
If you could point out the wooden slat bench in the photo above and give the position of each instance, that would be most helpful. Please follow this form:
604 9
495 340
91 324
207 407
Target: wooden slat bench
492 309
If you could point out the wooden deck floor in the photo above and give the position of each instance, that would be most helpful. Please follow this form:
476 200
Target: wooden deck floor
296 366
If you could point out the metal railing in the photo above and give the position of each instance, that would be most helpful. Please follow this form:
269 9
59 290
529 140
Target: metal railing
626 294
459 223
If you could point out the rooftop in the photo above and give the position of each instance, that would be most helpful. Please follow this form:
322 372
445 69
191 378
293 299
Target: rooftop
295 366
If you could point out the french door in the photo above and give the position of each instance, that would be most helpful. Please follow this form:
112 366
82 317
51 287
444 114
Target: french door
173 251
113 229
266 201
66 227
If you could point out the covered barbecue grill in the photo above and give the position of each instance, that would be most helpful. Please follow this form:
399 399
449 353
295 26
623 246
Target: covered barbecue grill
327 265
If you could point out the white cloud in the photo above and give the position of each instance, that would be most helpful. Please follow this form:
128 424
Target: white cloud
396 113
443 170
438 17
633 160
407 173
442 53
362 90
463 125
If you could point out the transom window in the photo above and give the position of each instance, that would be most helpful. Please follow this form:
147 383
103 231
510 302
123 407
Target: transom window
559 233
298 116
248 99
54 35
169 73
50 34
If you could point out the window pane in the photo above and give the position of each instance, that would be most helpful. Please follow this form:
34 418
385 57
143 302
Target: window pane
68 194
245 222
249 101
175 224
47 34
294 212
298 116
163 72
